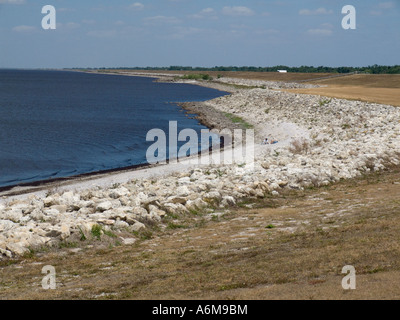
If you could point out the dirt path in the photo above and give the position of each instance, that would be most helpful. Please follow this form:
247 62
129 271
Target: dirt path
291 247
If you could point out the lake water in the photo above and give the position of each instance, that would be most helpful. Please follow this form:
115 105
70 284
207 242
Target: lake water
57 124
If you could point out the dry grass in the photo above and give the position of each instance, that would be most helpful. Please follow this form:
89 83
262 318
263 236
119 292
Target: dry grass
299 146
364 80
383 89
290 247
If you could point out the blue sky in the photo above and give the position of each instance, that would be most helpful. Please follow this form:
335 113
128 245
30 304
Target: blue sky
198 33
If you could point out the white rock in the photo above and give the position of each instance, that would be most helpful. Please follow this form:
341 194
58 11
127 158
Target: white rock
104 206
69 198
182 191
228 201
128 241
196 204
5 252
137 226
121 224
139 211
17 249
213 195
153 210
50 201
119 192
6 225
14 215
65 231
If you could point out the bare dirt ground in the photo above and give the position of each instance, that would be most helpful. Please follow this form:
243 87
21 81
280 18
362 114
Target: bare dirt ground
290 247
383 89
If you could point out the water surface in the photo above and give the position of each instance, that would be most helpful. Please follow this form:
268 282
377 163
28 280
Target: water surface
58 124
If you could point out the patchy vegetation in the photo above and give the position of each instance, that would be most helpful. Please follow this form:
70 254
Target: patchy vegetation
289 247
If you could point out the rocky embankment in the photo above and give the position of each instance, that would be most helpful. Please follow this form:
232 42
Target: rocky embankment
320 142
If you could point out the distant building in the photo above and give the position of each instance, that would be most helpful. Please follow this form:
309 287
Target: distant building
282 71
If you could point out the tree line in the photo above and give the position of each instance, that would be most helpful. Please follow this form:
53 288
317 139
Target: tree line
374 69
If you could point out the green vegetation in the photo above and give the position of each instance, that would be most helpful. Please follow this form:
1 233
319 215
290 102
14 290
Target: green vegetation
324 102
242 86
96 231
205 77
82 235
236 119
346 126
173 226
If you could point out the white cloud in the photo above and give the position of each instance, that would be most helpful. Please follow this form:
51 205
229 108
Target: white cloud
68 26
102 33
319 11
137 6
375 13
237 11
381 7
386 5
72 25
319 32
267 31
182 32
86 21
208 13
12 1
24 29
327 25
65 10
160 20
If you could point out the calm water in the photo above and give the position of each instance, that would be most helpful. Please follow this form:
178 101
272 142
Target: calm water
57 124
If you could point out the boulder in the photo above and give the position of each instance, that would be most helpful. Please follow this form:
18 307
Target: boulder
17 249
51 201
104 206
6 225
128 241
137 226
118 193
13 214
228 201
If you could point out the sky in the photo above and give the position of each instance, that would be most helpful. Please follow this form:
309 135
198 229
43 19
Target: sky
161 33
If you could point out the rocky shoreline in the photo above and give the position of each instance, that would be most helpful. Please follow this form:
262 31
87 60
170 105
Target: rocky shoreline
321 141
